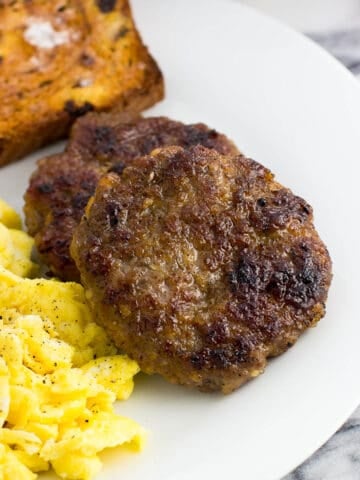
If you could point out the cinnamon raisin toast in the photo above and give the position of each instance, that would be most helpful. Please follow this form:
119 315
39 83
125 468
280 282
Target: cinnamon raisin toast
61 59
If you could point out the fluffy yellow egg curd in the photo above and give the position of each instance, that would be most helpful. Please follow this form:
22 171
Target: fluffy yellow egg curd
59 372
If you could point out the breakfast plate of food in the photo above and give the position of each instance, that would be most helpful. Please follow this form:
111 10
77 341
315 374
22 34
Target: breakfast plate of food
180 241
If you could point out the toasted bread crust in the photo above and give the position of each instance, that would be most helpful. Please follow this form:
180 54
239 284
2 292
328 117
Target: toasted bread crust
59 60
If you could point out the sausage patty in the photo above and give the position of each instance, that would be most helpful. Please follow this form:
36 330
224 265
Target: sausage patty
200 265
62 184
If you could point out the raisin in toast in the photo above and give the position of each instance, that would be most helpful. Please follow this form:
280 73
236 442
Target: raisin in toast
59 60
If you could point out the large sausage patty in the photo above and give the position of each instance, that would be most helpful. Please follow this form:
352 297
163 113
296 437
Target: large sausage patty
200 265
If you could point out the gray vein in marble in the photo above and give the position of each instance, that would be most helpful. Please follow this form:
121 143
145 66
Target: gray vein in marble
344 45
338 459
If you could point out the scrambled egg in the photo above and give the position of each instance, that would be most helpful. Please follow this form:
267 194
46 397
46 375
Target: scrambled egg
15 246
59 373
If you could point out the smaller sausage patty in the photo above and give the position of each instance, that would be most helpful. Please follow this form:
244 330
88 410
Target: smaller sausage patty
62 184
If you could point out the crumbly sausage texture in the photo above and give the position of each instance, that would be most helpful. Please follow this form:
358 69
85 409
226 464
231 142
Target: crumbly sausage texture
60 59
62 184
201 266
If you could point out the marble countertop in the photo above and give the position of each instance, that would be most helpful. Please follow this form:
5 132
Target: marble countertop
335 25
339 458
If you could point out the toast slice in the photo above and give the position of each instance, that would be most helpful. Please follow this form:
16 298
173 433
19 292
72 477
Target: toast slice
61 59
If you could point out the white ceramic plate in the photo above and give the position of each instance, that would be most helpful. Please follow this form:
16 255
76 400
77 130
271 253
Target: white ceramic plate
292 107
